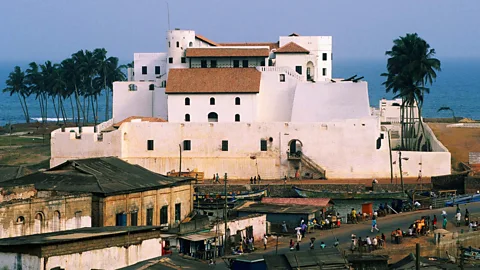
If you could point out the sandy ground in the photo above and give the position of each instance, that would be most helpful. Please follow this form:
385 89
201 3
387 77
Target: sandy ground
459 141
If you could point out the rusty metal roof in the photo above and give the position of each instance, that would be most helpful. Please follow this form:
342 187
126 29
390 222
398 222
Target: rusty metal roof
103 176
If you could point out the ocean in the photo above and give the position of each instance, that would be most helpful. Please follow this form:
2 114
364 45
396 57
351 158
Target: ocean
457 87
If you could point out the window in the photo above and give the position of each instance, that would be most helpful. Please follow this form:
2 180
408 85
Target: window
187 145
236 63
38 224
178 44
20 226
212 101
262 63
150 145
56 221
298 69
187 117
132 87
212 117
187 101
178 211
324 56
164 214
183 60
121 219
170 60
149 216
237 101
224 145
213 63
263 145
245 63
169 44
203 63
324 71
190 44
282 77
78 219
144 70
134 219
151 87
157 70
237 117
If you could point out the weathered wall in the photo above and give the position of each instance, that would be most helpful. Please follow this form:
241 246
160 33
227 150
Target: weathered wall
258 222
19 261
141 201
108 257
472 184
450 181
58 213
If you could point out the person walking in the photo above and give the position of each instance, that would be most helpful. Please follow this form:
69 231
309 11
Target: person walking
265 240
458 216
354 216
254 180
259 179
251 180
444 224
284 227
374 224
467 217
217 179
369 243
384 241
322 245
312 240
292 244
434 222
299 236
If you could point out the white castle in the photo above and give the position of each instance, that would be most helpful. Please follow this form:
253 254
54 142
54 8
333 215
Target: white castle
247 109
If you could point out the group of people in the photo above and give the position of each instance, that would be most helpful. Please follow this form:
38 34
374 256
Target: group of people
254 180
368 243
248 245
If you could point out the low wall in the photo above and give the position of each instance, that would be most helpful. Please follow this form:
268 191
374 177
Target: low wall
472 184
451 242
450 181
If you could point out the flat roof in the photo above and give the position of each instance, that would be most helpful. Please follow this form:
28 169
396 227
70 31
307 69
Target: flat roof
73 235
321 202
200 236
227 52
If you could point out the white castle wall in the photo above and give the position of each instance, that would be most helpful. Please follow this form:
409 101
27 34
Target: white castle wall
292 60
225 62
346 149
200 107
150 60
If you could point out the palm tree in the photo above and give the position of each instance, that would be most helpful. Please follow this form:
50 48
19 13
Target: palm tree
444 108
36 84
410 68
16 85
102 66
71 76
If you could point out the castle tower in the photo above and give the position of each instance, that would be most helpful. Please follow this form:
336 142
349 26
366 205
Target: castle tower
177 43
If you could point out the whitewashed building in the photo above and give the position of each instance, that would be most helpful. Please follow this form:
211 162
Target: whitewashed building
265 108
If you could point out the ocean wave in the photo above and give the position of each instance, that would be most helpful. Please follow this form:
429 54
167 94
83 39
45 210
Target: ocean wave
49 119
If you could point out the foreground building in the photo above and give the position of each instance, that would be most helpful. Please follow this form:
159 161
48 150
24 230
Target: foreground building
95 192
246 109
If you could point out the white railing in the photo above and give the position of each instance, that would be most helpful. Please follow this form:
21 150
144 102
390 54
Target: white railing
283 70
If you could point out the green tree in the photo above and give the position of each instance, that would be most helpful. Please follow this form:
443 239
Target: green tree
16 85
410 67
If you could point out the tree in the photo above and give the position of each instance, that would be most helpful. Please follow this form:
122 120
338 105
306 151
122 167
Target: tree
448 109
16 85
410 67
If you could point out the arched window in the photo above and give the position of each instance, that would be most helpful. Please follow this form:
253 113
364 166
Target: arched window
212 101
56 221
237 101
187 117
190 44
20 226
151 87
213 117
132 87
78 219
38 224
187 101
237 117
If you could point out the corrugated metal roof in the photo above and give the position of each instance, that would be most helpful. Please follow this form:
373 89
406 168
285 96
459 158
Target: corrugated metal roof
105 176
252 207
199 236
322 202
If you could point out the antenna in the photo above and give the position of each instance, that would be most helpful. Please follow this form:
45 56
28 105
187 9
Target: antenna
168 16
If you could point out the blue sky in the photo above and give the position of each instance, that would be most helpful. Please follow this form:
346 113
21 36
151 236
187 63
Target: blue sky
36 30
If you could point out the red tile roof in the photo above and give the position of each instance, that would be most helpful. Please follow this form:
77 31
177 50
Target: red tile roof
204 39
292 47
213 80
271 45
142 118
321 202
227 52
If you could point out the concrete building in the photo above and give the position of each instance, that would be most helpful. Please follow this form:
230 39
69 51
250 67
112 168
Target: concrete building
86 248
268 108
93 192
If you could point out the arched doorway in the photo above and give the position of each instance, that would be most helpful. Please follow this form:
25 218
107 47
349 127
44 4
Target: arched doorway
213 117
38 224
310 71
295 147
56 221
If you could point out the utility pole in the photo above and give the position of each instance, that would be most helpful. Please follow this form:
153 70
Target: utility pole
401 173
417 256
180 169
390 152
225 217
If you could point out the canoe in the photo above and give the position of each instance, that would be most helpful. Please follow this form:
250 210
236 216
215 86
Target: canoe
463 200
307 193
250 195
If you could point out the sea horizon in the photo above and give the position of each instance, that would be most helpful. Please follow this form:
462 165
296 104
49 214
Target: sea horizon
455 87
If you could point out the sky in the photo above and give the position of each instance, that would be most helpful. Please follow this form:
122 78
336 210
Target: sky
39 30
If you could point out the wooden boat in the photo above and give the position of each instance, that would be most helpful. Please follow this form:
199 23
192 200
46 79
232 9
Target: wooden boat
307 193
472 253
463 200
248 195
